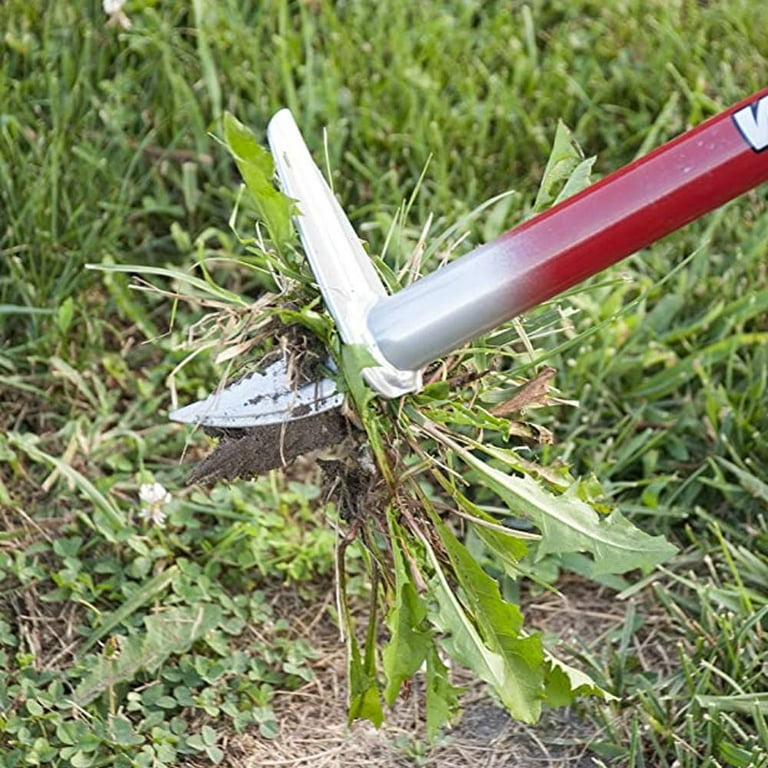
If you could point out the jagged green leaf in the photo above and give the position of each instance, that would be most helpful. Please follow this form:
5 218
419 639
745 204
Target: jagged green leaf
410 636
364 695
461 640
257 169
499 624
354 359
505 545
564 683
169 632
566 169
579 179
568 524
442 696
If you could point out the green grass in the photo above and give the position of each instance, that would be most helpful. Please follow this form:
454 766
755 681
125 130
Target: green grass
106 157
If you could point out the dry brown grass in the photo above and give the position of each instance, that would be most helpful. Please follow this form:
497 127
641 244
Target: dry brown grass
314 732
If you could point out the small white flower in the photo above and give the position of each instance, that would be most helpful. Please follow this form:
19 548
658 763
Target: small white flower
117 16
154 493
153 497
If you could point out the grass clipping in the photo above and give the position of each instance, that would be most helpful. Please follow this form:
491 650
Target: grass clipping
432 488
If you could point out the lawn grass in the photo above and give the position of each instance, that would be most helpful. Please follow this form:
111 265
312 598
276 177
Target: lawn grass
106 157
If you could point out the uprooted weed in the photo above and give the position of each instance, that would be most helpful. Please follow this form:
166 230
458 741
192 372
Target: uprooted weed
670 371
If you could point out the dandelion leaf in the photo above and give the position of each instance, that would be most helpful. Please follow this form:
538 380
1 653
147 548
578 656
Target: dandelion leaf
568 524
566 173
441 697
169 632
506 546
364 696
410 636
257 169
511 662
564 683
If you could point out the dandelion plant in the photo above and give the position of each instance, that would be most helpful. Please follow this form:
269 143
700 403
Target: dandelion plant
435 486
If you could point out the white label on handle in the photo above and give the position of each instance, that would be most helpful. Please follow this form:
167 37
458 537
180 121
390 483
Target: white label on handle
752 122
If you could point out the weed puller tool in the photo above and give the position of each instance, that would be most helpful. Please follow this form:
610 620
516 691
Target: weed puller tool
695 173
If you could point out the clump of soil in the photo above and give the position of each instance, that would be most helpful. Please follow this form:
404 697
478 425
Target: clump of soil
245 453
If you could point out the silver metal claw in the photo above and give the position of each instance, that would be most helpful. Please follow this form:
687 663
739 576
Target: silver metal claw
343 270
350 287
261 398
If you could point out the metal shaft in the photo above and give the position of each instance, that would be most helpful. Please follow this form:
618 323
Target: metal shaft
624 212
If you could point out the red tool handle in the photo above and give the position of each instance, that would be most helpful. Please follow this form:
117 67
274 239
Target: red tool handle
640 203
624 212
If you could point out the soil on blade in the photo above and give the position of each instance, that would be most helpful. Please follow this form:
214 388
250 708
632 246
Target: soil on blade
245 453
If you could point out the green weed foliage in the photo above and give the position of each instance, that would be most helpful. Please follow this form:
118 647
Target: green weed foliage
138 633
423 445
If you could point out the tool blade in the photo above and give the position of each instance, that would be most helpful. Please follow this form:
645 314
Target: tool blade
260 398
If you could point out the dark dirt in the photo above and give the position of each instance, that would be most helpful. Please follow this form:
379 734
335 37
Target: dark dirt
245 453
354 484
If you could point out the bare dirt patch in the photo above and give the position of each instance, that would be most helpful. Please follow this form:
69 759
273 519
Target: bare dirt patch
314 732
